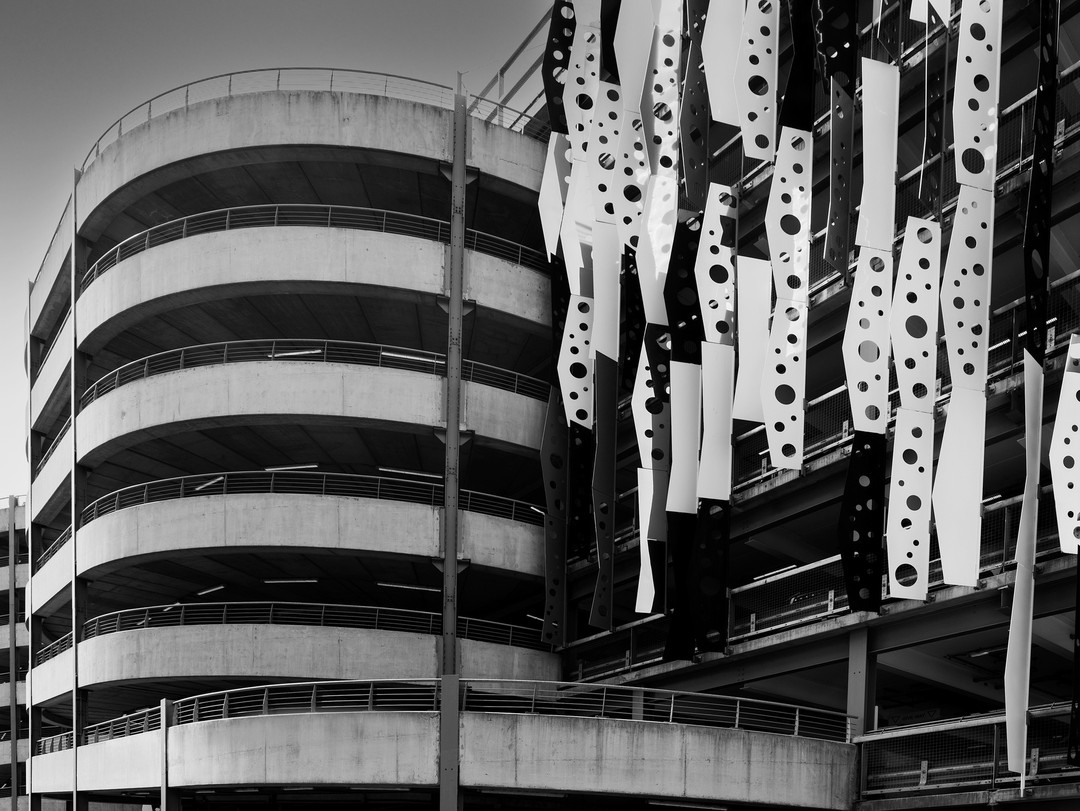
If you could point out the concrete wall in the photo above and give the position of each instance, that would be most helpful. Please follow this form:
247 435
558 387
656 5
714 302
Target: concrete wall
253 261
502 152
43 309
380 748
504 417
52 578
502 544
22 575
265 119
53 772
133 762
487 660
20 696
51 479
291 652
52 678
22 637
233 393
258 520
508 288
668 760
51 372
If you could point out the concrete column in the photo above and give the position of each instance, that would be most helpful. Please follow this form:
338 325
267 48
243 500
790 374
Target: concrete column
862 680
170 798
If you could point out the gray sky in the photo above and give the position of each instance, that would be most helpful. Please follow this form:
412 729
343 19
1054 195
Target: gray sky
69 68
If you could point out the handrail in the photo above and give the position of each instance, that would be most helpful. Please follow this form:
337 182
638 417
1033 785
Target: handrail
308 483
53 445
53 649
54 743
310 351
487 696
365 617
53 548
226 85
313 216
648 704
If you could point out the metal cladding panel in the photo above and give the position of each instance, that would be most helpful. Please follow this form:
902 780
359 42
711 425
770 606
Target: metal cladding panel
877 208
975 93
915 315
609 18
1018 655
714 266
631 177
866 341
754 283
581 88
862 521
1065 453
836 29
604 140
554 464
908 525
652 531
787 215
682 528
631 319
920 11
707 579
958 487
797 104
577 230
685 437
607 270
756 79
554 187
633 41
603 489
557 60
651 402
660 112
783 385
717 392
720 53
575 366
965 288
887 27
1037 220
694 121
932 167
659 221
841 146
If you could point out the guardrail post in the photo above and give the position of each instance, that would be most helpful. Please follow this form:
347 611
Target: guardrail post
796 732
314 696
266 701
671 710
738 711
996 756
225 706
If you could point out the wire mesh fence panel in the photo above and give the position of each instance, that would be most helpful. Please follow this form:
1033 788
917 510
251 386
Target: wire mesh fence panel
802 595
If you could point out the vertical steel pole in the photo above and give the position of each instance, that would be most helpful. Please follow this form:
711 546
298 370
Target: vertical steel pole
455 281
13 658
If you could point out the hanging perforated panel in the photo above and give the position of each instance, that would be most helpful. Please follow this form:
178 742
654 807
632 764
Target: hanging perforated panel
685 437
841 150
1065 453
659 221
554 187
650 403
975 93
787 215
783 385
582 87
866 341
915 315
958 487
717 392
910 484
862 521
754 280
631 177
575 366
557 60
720 53
714 266
577 230
554 463
965 288
756 79
660 110
877 207
652 534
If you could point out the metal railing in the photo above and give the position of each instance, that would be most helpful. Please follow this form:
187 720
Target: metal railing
963 753
308 483
644 704
396 695
310 351
53 649
54 743
334 80
53 446
53 548
314 216
146 720
481 695
310 614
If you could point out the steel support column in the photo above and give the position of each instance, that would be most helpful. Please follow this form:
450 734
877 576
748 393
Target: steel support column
455 284
861 681
13 656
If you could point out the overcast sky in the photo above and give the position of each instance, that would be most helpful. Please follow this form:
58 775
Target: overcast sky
69 69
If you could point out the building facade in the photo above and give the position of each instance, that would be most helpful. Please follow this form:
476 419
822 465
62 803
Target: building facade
310 524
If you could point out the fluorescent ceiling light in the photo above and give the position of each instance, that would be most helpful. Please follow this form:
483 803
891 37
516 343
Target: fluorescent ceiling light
283 581
204 485
210 590
308 466
534 617
404 472
409 587
536 509
404 356
762 577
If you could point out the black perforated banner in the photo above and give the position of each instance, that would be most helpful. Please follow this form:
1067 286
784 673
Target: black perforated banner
862 521
605 427
557 59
